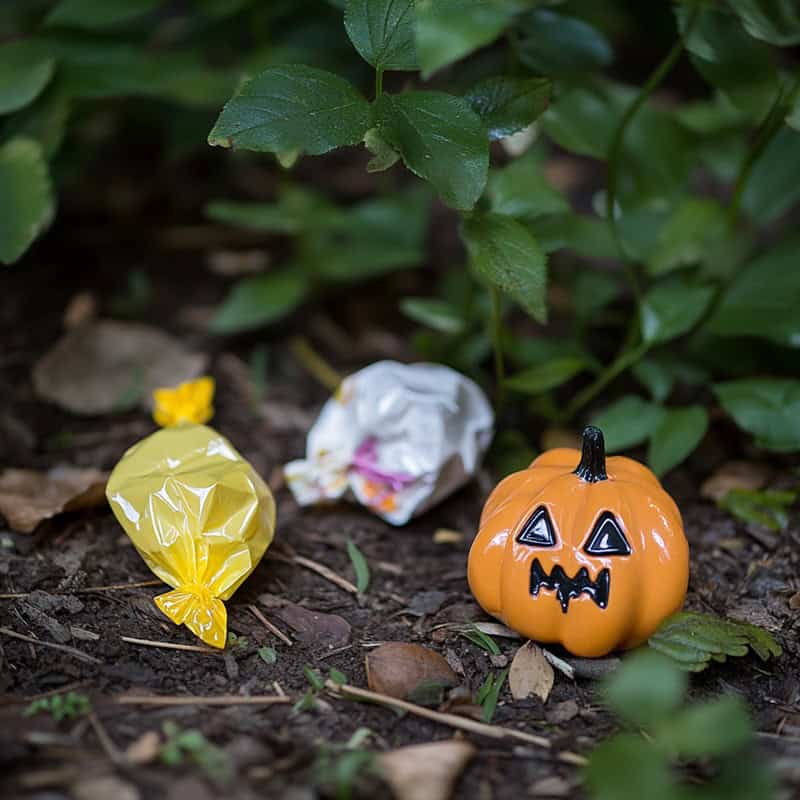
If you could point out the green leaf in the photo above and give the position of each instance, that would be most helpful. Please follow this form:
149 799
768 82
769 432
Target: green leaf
729 59
441 139
764 298
672 309
586 235
338 677
543 377
520 190
98 14
314 678
507 105
765 507
26 199
774 185
655 377
677 434
692 640
448 30
555 44
383 32
293 108
713 728
260 300
627 767
769 408
436 314
510 452
593 290
267 654
505 255
475 635
25 69
384 155
627 422
489 703
774 21
686 238
646 688
44 121
359 565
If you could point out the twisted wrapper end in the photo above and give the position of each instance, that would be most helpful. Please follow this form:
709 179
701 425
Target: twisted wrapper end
195 607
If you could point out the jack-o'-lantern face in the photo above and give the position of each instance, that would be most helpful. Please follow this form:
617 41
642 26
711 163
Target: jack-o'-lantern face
592 557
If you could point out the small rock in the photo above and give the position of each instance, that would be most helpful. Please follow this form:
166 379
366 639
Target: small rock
551 787
562 712
427 602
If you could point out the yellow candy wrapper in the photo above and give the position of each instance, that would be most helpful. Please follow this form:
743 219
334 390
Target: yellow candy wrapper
199 515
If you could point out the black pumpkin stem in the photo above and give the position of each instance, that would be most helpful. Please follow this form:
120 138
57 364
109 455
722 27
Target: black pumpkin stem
593 457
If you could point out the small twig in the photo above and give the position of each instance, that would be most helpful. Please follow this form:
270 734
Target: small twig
73 651
314 363
213 700
269 626
114 587
320 569
194 648
453 721
278 689
109 748
335 652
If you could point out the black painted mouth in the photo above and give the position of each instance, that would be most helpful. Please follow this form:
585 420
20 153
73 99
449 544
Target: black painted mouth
566 588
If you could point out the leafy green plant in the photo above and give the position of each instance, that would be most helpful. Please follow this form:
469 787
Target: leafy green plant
697 284
360 566
489 693
693 640
189 746
475 635
648 693
61 706
767 508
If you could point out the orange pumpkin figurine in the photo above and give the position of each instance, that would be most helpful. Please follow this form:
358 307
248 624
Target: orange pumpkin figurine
592 557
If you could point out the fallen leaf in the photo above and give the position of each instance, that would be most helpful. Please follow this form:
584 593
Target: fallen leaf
425 771
144 749
81 308
426 602
794 601
101 787
531 674
28 497
562 712
561 437
234 263
551 787
735 475
447 536
397 668
106 366
314 627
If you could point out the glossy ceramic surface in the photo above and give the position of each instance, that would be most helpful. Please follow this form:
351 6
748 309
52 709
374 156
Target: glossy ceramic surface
581 551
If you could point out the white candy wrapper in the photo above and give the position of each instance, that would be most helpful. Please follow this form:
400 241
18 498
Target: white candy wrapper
397 438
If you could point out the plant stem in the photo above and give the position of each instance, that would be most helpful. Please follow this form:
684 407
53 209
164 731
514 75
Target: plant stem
615 151
772 123
627 358
497 342
378 83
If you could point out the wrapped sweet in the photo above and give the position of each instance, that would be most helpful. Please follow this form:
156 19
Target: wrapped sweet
397 438
197 512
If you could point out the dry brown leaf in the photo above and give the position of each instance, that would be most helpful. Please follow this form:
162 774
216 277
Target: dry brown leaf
396 668
561 437
562 712
144 749
28 497
425 771
314 627
735 475
530 674
794 601
447 536
103 366
102 787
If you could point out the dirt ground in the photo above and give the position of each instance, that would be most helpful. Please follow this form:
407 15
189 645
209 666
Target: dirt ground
417 585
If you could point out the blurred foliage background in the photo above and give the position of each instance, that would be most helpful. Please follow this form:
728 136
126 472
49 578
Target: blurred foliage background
623 178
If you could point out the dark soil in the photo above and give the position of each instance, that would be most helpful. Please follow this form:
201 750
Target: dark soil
277 753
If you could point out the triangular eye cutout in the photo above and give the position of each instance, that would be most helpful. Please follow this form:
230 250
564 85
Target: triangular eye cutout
538 530
607 538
